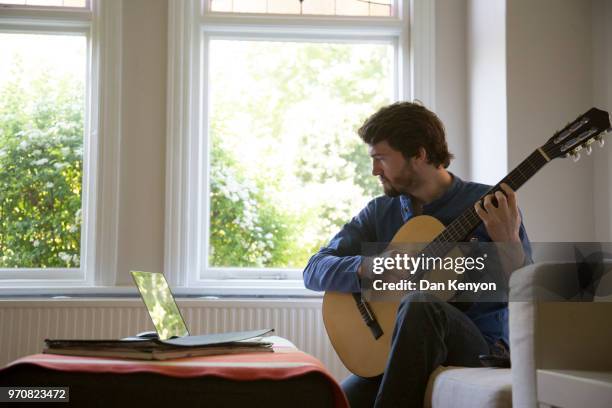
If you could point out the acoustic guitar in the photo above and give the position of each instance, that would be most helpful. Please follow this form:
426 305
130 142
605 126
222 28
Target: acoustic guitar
360 331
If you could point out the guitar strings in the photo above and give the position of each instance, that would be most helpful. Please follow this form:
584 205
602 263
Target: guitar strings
469 220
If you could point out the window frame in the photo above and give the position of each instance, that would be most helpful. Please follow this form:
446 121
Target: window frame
206 8
191 26
100 22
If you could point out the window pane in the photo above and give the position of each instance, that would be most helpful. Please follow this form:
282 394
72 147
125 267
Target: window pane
312 7
42 91
287 168
48 3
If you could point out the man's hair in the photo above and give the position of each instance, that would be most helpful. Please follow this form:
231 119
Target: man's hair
408 126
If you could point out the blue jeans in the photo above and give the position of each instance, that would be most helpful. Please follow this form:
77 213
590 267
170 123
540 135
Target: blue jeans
427 333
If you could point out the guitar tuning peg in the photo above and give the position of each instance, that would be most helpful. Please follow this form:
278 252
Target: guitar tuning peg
575 157
588 150
601 141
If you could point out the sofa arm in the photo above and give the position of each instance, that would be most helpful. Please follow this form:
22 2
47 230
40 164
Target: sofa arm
548 333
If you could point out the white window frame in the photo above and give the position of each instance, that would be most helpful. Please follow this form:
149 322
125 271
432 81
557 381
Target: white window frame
190 28
101 24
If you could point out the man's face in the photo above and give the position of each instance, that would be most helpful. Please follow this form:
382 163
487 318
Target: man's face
396 174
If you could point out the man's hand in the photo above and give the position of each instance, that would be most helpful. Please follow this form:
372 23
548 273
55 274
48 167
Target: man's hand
389 275
502 222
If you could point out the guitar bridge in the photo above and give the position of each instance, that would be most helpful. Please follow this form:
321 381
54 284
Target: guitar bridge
368 316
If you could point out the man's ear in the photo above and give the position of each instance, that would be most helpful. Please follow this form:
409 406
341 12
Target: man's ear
422 155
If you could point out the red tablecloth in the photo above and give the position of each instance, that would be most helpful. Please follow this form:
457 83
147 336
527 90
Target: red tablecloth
283 363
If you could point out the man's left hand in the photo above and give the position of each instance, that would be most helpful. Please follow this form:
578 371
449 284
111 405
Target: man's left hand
504 220
503 223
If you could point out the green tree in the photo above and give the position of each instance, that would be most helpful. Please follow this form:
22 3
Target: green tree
300 101
41 144
246 229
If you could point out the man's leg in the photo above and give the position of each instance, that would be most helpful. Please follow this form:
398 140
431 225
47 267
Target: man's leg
361 392
427 333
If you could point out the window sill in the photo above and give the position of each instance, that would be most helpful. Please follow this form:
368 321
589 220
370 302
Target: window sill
205 288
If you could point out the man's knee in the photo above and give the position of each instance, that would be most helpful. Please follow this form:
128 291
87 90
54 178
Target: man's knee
419 298
361 392
418 305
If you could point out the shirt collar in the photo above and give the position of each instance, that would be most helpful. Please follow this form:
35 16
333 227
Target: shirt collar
430 208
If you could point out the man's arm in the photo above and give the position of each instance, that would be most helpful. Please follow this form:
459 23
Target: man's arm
504 225
336 266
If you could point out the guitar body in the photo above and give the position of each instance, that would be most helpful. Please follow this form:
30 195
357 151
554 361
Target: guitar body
358 350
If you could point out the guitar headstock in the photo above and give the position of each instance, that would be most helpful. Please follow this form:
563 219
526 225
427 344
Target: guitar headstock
579 134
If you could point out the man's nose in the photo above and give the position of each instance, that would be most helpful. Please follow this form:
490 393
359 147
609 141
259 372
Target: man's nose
376 171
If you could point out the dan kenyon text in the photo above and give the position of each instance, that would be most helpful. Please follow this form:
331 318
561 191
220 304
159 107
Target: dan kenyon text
398 264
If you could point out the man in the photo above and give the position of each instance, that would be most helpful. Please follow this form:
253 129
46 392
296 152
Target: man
410 156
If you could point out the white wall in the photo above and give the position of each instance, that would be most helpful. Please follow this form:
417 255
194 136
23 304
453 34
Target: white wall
486 49
602 95
141 206
451 84
549 83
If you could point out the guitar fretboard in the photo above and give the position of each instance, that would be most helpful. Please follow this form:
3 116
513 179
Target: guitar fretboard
462 226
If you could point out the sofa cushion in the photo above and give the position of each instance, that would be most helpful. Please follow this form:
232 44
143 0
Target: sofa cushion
460 387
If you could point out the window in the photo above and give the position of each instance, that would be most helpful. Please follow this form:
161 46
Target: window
83 4
50 95
42 96
264 164
306 7
286 168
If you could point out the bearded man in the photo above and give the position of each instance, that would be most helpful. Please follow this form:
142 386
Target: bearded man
410 156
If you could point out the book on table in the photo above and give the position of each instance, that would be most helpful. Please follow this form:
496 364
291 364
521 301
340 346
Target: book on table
156 349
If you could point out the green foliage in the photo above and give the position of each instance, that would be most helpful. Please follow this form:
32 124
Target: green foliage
41 134
246 228
362 175
287 169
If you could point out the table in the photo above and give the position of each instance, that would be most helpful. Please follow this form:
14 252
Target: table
285 378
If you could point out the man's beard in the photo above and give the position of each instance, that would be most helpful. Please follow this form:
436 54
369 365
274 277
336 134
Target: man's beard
408 182
389 190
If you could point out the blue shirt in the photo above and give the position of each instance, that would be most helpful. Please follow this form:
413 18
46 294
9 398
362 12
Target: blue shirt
335 266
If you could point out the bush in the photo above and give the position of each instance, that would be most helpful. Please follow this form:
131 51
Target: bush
41 142
246 229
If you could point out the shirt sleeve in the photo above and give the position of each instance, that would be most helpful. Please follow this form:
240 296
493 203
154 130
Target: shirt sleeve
481 234
526 244
335 266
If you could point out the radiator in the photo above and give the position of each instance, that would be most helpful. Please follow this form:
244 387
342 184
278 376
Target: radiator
24 324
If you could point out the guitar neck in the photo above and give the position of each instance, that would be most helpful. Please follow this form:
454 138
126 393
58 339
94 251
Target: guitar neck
462 226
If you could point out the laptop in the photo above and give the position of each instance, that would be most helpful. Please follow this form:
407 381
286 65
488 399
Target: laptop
168 321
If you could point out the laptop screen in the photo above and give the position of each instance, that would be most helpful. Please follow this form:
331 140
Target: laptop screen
160 303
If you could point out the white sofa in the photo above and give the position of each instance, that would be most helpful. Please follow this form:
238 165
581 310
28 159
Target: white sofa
546 333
